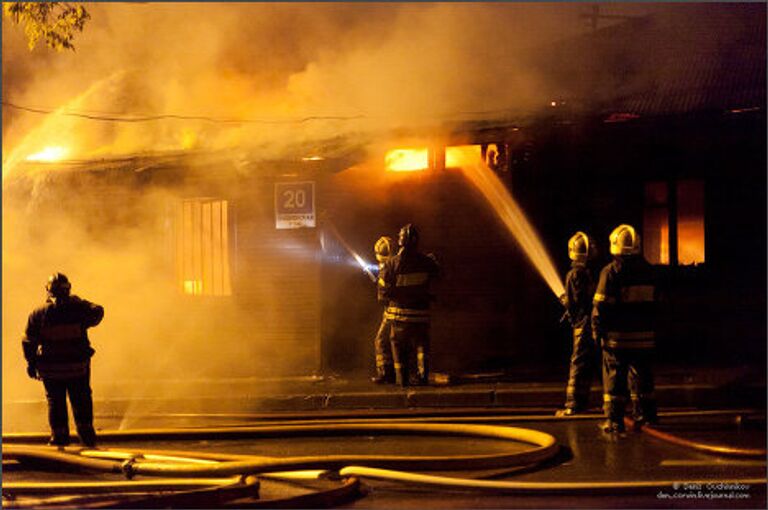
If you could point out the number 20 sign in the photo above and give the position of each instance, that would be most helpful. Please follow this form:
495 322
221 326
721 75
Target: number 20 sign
294 205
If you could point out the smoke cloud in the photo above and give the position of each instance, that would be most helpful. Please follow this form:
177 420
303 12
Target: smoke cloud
257 77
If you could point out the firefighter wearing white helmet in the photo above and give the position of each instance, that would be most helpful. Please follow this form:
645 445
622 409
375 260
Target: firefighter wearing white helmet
623 320
404 284
385 372
58 352
579 291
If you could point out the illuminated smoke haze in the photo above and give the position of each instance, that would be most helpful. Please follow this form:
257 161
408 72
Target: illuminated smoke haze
361 68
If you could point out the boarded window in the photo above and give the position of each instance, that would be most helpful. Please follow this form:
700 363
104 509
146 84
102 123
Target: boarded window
202 247
656 223
690 222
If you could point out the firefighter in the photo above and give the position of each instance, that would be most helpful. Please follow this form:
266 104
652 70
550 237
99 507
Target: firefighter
579 292
623 320
385 372
58 352
404 285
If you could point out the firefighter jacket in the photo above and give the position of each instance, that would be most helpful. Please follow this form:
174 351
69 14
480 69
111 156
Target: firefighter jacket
404 285
624 307
579 291
56 339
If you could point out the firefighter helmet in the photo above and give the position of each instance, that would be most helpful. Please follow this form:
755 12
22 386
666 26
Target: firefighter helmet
625 241
58 285
409 236
581 247
383 249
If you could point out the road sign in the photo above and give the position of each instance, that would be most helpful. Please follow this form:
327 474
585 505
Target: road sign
294 205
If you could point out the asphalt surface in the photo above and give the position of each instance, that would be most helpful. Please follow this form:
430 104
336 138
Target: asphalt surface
586 455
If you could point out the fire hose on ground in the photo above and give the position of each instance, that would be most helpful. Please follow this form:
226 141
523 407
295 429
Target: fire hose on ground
230 470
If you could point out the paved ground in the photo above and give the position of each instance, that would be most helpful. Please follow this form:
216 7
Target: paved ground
526 392
586 456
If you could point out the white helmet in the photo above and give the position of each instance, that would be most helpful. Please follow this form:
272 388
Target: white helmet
581 247
625 241
383 249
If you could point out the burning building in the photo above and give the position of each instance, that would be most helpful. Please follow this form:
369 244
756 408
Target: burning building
224 251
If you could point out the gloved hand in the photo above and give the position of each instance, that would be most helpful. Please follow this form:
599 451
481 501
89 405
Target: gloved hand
32 372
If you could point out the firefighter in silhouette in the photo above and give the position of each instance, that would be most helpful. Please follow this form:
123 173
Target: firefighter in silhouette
579 292
623 321
404 285
385 372
58 352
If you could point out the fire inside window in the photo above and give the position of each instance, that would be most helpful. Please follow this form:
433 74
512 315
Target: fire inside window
407 160
202 247
687 216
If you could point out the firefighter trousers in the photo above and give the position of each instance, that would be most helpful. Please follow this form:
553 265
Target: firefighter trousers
410 351
384 368
585 360
79 391
619 367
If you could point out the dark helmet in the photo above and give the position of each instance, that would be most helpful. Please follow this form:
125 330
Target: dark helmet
409 236
58 285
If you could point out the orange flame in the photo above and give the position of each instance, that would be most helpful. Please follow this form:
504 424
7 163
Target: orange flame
407 160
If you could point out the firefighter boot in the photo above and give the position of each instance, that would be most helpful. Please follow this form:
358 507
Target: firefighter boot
87 434
644 411
59 437
384 375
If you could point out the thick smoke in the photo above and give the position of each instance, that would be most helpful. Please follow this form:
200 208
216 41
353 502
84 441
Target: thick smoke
390 65
371 67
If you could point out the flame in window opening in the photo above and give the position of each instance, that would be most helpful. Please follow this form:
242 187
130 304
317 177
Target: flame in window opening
194 287
49 154
407 160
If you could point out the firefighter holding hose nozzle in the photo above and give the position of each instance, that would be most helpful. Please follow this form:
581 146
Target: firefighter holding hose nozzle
58 352
404 284
577 300
623 322
385 372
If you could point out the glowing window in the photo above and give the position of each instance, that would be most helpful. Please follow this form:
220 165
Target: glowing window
202 247
656 223
462 155
690 222
407 160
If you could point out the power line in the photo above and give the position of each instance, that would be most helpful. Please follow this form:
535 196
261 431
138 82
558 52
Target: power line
132 118
111 117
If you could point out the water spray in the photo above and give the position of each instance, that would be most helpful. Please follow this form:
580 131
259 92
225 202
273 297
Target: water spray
366 267
498 196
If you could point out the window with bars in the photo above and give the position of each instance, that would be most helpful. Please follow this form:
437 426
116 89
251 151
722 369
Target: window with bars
202 247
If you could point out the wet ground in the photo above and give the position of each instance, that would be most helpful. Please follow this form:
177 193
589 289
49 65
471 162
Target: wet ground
586 455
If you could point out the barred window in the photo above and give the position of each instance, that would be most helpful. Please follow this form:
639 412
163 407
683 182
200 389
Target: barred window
202 247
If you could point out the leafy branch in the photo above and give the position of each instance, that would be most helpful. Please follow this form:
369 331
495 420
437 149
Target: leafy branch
54 22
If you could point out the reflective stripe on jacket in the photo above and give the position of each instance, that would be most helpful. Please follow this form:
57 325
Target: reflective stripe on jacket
624 306
406 314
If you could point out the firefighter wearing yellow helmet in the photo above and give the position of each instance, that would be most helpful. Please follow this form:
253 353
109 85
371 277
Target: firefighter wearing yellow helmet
579 292
385 372
58 352
404 284
623 317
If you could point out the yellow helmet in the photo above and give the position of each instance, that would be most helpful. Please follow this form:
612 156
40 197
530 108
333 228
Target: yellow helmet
581 247
625 241
383 249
